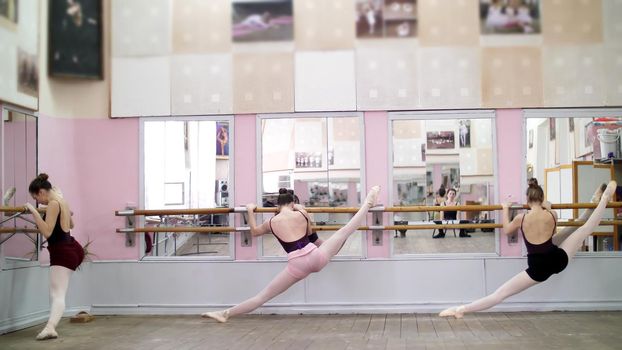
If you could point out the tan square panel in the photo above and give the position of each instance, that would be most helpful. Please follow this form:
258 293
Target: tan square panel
511 77
449 77
572 21
613 76
201 84
573 76
448 22
408 129
263 82
324 24
386 79
201 26
612 21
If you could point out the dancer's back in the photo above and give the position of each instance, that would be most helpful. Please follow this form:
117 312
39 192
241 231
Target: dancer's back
289 225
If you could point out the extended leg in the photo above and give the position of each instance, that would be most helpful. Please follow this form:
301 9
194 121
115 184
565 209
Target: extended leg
278 285
574 241
333 244
515 285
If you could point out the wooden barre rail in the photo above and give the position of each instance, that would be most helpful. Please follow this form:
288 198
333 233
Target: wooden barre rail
224 229
18 210
205 211
9 230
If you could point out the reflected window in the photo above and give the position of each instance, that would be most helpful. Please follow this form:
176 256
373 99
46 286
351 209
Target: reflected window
320 159
431 158
571 154
187 165
19 167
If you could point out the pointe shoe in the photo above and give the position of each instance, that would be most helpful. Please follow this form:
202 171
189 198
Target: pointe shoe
372 196
6 199
220 316
598 193
457 312
47 333
610 190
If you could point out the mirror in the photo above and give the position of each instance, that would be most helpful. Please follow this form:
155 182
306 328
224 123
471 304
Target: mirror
447 153
187 165
320 159
570 157
19 162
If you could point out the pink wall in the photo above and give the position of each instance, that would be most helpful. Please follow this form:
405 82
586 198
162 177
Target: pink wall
245 176
377 172
510 139
95 163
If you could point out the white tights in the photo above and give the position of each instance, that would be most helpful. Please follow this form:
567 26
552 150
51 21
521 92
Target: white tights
572 241
330 247
59 282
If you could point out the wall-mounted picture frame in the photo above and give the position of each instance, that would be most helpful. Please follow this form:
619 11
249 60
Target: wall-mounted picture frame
440 140
386 19
9 14
27 73
75 39
464 132
257 21
530 138
509 17
552 130
222 140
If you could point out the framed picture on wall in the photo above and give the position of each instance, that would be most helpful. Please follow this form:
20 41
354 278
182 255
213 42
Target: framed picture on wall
509 16
75 39
440 140
222 140
464 131
27 73
269 20
386 18
530 138
571 124
8 13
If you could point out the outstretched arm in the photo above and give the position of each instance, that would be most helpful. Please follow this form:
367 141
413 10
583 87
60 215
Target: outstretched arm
256 230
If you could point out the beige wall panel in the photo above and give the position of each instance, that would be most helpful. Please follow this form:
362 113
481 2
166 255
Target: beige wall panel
201 26
324 24
448 22
511 77
572 22
263 82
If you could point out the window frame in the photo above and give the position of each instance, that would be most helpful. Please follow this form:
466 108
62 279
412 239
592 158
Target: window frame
259 177
141 186
443 115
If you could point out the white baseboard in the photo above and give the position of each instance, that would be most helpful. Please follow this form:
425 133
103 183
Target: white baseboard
293 309
35 318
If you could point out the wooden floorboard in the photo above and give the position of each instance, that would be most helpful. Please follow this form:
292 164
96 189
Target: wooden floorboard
520 330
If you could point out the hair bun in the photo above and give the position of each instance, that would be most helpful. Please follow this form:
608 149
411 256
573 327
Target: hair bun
43 177
282 190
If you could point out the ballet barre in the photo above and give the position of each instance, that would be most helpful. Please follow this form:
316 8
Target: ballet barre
333 210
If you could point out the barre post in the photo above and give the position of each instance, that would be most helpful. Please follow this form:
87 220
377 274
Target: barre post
130 222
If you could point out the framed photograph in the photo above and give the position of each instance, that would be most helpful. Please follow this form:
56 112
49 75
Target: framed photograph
390 18
551 129
8 13
27 73
222 140
440 140
464 131
75 39
256 21
423 152
571 124
308 159
509 16
530 138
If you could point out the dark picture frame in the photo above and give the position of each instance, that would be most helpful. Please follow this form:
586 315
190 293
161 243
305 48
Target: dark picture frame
75 41
464 133
552 129
440 140
222 140
510 17
261 21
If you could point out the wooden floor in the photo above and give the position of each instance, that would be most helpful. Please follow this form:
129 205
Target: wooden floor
534 331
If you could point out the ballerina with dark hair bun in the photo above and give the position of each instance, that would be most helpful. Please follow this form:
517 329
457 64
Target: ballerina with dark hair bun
292 228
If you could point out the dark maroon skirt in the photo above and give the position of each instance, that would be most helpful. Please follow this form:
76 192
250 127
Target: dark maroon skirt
68 254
